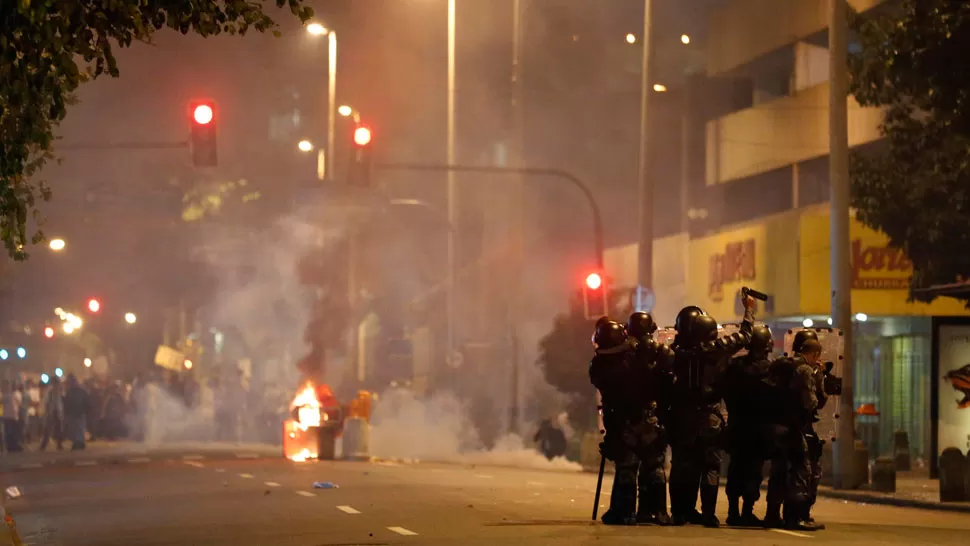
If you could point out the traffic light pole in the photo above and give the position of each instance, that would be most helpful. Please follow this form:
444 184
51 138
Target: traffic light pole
552 173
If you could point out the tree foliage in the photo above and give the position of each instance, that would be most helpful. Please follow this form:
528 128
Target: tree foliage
564 355
50 47
915 187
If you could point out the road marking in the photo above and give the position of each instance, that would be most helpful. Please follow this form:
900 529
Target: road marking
220 470
247 476
306 493
272 484
247 456
537 484
486 476
792 533
32 465
402 531
139 460
86 463
347 510
192 457
195 464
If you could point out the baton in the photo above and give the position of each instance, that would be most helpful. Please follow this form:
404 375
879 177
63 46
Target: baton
745 292
599 487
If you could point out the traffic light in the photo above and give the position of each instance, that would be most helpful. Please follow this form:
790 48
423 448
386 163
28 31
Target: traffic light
203 141
94 305
594 297
361 164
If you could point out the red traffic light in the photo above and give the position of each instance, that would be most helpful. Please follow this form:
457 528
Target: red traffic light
48 332
594 281
203 114
362 136
94 305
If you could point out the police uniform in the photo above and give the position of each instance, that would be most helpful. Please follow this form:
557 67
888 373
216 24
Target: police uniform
813 442
611 373
746 395
696 422
652 366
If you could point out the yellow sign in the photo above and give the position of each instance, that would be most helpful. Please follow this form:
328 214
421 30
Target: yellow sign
880 274
720 265
736 263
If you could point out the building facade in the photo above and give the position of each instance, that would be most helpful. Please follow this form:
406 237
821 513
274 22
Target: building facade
767 223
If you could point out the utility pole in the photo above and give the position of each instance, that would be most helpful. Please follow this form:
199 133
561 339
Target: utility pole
839 235
515 210
645 247
452 190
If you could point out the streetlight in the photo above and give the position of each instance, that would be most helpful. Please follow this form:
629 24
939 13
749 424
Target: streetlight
130 318
305 146
347 111
59 372
57 244
87 362
48 332
316 29
684 39
68 328
21 353
631 38
660 88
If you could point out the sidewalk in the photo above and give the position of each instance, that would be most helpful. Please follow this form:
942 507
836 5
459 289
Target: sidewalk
913 489
101 452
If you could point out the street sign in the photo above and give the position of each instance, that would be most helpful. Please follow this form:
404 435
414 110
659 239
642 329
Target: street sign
643 299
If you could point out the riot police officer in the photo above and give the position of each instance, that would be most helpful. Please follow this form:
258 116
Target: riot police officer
696 421
611 374
652 363
745 395
795 379
812 440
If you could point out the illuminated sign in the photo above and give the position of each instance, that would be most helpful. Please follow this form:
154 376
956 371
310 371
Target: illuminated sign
735 264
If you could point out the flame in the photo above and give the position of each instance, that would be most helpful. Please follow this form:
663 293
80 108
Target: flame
308 407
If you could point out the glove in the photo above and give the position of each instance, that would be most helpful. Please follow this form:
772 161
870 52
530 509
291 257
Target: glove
604 450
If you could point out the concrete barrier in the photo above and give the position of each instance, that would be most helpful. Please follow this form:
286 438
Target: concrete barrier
356 444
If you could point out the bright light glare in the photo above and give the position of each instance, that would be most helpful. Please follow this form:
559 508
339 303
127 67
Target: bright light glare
68 328
861 317
59 372
594 281
316 29
829 320
808 323
202 114
188 364
684 39
305 145
130 318
44 378
87 362
94 306
631 38
57 245
4 354
659 87
48 332
362 136
21 352
345 110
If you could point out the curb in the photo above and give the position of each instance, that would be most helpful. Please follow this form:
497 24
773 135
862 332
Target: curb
894 501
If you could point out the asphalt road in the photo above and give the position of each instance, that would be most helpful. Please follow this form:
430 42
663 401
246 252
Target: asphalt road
273 502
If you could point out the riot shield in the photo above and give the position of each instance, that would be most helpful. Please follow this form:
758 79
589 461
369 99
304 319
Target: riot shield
665 336
833 350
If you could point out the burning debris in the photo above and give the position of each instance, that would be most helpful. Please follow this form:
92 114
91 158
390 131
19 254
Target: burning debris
316 421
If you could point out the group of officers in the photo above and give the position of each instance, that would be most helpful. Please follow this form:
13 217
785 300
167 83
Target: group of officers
654 395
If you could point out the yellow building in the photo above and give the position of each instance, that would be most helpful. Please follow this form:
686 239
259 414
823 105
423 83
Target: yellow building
764 219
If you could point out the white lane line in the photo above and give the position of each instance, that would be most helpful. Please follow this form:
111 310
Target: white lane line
32 465
192 457
86 463
247 456
486 476
792 533
536 484
247 476
272 484
135 460
402 531
306 493
220 470
195 464
347 510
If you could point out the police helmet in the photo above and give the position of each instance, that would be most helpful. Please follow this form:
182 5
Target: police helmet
761 341
704 328
686 316
641 325
609 334
800 338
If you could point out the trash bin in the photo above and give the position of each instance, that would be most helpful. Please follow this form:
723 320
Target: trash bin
326 443
901 451
356 439
952 475
884 475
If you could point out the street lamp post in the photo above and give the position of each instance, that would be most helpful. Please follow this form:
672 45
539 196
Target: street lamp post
451 188
316 29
